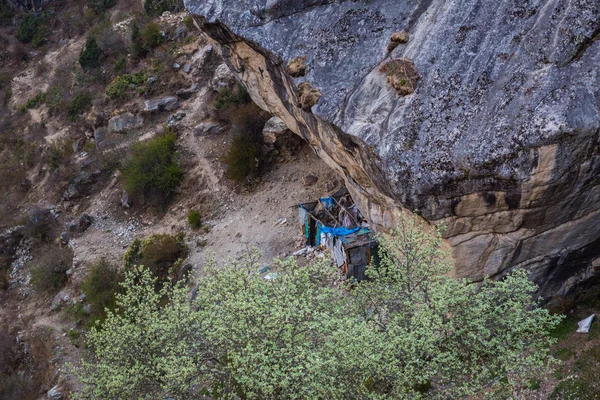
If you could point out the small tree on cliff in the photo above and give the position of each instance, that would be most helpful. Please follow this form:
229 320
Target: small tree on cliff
91 54
410 332
138 49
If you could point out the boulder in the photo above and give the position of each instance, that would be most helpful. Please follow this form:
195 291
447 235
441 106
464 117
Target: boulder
60 299
202 55
125 202
281 144
125 122
186 93
64 238
187 67
167 103
55 393
273 128
204 64
77 145
309 180
81 185
10 238
174 119
100 135
222 78
82 223
209 128
499 144
181 32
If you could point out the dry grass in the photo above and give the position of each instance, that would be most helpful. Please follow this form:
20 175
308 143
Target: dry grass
308 96
297 67
161 254
245 158
402 75
396 39
100 287
49 267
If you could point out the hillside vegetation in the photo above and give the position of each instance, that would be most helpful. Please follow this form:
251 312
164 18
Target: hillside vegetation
409 332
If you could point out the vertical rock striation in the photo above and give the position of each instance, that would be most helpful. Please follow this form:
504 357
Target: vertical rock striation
499 140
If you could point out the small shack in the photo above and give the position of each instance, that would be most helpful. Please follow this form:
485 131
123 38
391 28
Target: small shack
335 224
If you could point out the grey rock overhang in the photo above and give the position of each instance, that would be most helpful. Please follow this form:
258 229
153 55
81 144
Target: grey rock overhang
499 142
344 40
497 80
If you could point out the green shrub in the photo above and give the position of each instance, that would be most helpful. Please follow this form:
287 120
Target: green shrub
156 67
49 267
138 50
54 100
73 334
137 79
152 172
58 152
100 287
40 37
152 35
245 157
155 8
120 66
194 219
160 254
566 326
80 103
91 54
122 85
227 98
36 101
119 87
28 28
189 22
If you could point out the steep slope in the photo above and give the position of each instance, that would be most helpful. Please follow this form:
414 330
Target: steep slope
499 140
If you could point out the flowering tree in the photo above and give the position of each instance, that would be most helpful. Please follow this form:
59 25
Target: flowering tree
410 331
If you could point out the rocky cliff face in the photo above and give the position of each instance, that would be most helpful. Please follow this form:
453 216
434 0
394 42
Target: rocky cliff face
499 141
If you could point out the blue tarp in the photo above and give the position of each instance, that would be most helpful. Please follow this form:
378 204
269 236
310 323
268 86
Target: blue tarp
335 232
328 202
338 232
